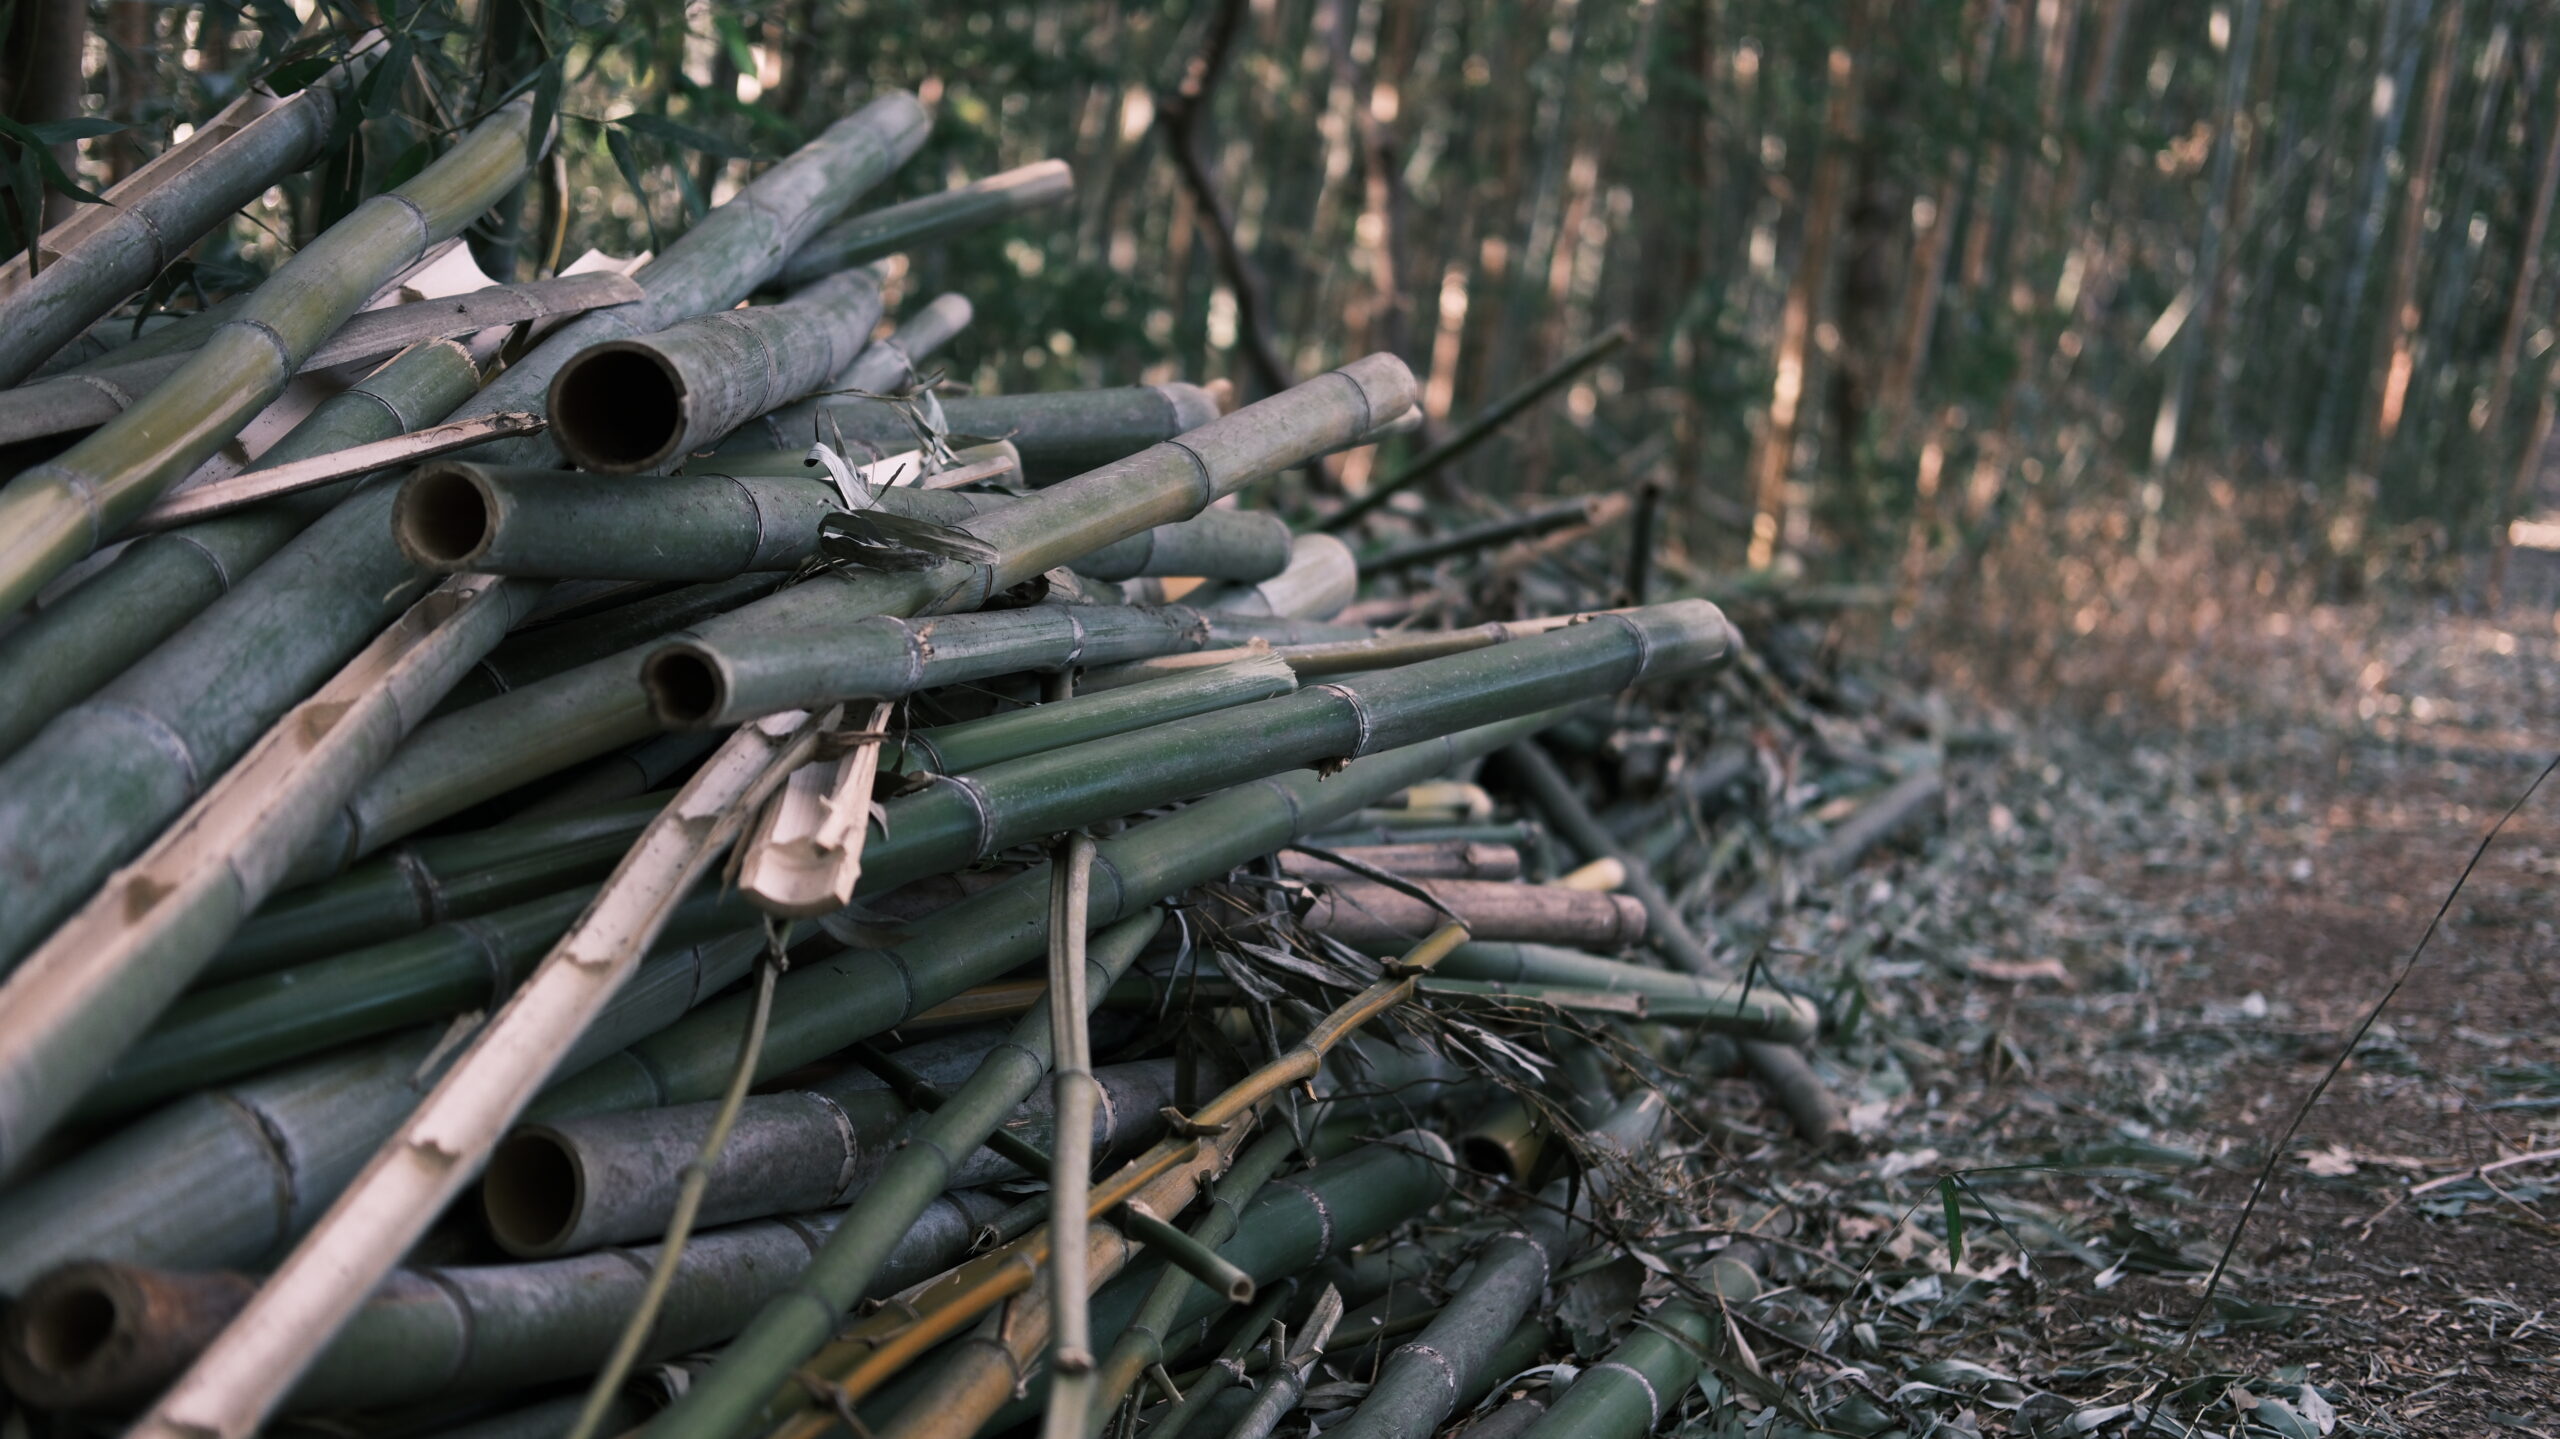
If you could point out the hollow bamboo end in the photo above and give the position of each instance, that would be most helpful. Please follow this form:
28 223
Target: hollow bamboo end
534 1193
92 1337
687 686
618 408
446 517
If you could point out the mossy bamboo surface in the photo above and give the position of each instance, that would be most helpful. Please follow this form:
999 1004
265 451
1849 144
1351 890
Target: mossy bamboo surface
430 881
1420 1383
482 752
975 744
98 982
1060 432
862 238
64 652
231 1175
627 406
1368 915
57 512
1772 1013
254 1024
459 1331
110 251
743 1380
1783 1070
1625 1395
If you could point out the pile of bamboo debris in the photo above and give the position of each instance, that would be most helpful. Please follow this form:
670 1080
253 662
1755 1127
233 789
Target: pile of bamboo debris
1002 929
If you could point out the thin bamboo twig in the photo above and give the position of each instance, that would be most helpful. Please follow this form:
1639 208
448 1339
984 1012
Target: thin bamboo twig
697 1177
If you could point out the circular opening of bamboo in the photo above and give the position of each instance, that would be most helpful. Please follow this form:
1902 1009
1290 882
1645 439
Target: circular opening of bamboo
686 687
534 1192
63 1327
444 517
618 408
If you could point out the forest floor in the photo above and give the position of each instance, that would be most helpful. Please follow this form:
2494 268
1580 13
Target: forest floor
2096 999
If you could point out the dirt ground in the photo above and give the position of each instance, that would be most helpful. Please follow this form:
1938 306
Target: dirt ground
2099 997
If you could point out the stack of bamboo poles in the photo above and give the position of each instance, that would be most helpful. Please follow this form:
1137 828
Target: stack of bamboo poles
532 940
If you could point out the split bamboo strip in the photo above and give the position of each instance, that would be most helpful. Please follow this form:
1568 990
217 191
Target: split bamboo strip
107 252
446 1332
1060 432
974 744
239 1380
863 238
806 855
628 406
57 512
63 653
80 998
230 1176
1368 915
1781 1017
276 481
583 712
742 1381
1788 1077
1420 1383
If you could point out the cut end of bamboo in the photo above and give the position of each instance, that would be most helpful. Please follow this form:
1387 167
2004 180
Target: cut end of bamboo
533 1192
92 1337
686 686
618 408
445 517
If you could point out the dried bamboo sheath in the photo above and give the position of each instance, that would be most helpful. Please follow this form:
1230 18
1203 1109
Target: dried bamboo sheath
58 511
956 211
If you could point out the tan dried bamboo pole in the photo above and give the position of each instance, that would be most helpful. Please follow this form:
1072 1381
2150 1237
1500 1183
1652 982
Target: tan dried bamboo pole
806 856
1441 859
1366 914
238 1381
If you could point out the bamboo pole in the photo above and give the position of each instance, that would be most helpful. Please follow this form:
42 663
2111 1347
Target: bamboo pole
57 512
1321 578
1060 432
87 992
240 1379
444 1333
458 517
629 406
1071 1354
1333 657
1789 1079
1457 859
975 744
106 252
66 651
890 364
541 650
1626 1395
1368 915
860 239
1764 1011
742 1381
230 1176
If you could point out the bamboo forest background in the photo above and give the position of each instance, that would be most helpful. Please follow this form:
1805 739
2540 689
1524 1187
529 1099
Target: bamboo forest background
1904 280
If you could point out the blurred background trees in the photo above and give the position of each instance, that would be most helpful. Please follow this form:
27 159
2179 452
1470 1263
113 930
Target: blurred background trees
1907 278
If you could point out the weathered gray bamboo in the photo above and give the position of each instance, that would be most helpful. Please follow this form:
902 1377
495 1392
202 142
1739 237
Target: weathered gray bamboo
1368 915
886 365
1783 1070
441 1333
57 512
97 394
1456 859
231 1176
627 406
1761 1011
1244 545
100 980
64 652
1419 1384
863 238
1907 802
1060 432
550 524
975 744
107 252
583 712
1321 578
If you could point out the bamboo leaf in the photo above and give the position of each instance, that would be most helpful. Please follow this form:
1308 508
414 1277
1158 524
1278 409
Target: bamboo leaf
672 132
619 145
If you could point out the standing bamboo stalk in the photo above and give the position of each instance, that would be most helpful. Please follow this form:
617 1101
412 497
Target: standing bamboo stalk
2492 421
57 512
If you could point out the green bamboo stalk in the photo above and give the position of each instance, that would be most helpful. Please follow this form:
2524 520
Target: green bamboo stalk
744 1378
1321 578
1060 432
1071 1161
1245 545
975 744
1782 1069
1482 427
446 1333
1222 1375
1627 1394
627 773
628 406
863 238
116 337
232 1176
458 517
539 651
1758 1011
1345 656
893 363
430 881
111 250
66 651
479 753
57 512
1419 1384
581 1182
235 1029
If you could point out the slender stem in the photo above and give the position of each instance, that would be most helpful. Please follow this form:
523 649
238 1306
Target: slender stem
1071 1157
697 1177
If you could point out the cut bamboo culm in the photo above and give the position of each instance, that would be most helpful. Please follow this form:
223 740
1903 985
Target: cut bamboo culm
1368 915
860 239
